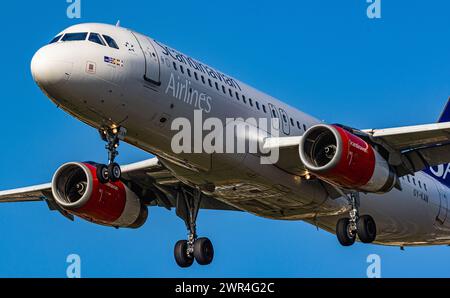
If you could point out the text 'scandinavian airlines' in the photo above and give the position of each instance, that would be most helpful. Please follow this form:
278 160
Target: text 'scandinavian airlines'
383 186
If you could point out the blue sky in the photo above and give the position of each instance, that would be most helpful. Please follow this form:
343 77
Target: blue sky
324 57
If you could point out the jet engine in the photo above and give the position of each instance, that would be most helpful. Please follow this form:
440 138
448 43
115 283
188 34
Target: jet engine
344 159
77 190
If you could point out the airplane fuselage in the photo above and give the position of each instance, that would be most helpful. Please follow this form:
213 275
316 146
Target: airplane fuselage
144 85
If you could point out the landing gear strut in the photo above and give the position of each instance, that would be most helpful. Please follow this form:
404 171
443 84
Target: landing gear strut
362 226
112 171
194 248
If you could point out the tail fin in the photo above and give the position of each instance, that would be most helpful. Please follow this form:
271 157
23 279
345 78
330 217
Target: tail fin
442 172
445 116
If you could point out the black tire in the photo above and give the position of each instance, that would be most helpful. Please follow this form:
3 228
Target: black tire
367 229
203 251
343 233
181 256
115 172
102 174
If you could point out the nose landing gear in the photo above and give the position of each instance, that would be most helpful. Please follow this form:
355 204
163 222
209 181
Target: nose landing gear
112 171
362 226
198 249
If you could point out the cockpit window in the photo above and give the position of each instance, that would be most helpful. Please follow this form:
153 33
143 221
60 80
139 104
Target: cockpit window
74 36
111 42
56 39
95 37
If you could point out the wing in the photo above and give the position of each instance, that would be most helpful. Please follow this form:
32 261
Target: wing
41 192
26 194
408 149
288 155
414 148
149 179
289 159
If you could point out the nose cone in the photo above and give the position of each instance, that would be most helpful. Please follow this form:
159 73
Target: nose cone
50 68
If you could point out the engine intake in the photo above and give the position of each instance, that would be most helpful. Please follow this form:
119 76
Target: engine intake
77 190
344 159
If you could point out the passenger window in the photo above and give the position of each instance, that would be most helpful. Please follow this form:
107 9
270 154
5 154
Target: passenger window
409 180
196 75
298 125
210 83
285 119
420 183
203 80
304 127
224 90
74 36
175 66
231 92
111 42
95 37
425 187
56 39
217 86
292 122
182 69
264 108
237 96
189 72
257 105
250 101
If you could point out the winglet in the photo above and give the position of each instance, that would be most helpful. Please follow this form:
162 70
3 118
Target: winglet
445 116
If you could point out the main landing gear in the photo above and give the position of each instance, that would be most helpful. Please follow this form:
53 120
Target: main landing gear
111 172
194 248
362 226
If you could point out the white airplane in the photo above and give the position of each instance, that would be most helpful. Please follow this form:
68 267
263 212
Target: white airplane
383 186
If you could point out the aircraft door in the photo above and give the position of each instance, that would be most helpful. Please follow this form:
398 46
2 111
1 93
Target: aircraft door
285 122
152 63
443 206
274 114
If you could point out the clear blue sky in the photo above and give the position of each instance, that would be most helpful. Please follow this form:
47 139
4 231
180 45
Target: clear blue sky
324 57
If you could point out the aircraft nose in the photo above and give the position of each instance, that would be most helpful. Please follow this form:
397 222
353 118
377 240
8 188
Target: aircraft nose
49 68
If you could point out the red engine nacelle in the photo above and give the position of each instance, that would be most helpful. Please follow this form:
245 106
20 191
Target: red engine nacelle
77 190
341 158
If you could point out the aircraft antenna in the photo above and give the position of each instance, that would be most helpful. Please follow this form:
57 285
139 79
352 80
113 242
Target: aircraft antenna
118 23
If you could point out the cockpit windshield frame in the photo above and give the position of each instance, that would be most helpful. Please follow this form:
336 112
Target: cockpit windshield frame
110 41
75 36
94 37
56 39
